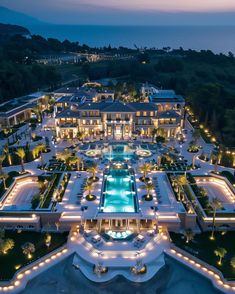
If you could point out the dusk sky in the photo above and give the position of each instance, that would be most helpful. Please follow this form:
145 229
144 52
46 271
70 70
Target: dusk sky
127 12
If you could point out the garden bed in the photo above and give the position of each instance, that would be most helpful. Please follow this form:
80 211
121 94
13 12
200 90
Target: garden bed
16 160
15 259
47 198
203 248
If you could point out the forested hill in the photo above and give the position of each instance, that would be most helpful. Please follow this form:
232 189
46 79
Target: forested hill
205 79
8 29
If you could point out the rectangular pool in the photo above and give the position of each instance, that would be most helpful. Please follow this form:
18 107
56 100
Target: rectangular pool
119 193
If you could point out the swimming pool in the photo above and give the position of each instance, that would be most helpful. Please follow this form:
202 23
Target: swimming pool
119 193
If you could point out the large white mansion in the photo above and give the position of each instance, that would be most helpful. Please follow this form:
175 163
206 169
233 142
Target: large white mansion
118 120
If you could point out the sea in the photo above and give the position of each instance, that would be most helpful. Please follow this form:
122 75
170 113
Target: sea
219 39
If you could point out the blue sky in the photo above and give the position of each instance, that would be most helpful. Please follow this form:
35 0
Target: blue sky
134 12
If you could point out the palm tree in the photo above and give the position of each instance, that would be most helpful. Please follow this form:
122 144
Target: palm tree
7 153
73 160
88 189
21 154
93 170
189 235
221 252
149 187
6 245
4 177
215 204
145 169
35 152
48 240
38 112
154 134
193 161
28 248
79 161
2 157
57 224
232 261
181 181
81 135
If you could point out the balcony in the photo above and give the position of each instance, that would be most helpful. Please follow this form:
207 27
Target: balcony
169 124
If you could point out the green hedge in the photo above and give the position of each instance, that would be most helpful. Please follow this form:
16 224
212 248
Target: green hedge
9 181
229 176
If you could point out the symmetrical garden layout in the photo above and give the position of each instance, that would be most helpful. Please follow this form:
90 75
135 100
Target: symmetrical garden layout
118 199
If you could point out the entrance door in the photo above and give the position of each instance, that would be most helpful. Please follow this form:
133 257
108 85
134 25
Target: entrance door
118 132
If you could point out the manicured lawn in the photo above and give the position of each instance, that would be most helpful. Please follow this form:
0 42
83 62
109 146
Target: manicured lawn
203 248
15 258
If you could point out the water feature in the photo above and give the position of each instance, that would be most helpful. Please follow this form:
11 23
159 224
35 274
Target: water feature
118 152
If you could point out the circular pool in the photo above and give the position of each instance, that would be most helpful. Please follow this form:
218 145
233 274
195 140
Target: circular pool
93 153
143 153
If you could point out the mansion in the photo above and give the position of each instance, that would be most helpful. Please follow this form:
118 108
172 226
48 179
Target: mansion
121 121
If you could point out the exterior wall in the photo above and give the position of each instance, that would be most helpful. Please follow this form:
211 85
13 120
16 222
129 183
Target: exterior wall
22 223
172 226
220 224
188 221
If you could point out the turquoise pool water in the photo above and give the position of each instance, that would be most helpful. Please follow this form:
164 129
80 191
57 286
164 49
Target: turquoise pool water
119 152
119 190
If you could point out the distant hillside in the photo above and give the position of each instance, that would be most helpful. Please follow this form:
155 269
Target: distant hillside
10 30
9 16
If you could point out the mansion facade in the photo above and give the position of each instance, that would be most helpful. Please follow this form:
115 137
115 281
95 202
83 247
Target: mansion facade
121 121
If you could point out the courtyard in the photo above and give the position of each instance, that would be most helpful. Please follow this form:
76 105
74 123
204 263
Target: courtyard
21 195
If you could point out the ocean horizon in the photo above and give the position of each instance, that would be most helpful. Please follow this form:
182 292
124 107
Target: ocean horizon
219 39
